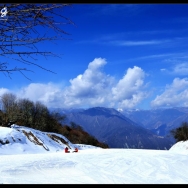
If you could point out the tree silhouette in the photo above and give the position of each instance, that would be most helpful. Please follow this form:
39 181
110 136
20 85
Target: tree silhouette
181 133
20 33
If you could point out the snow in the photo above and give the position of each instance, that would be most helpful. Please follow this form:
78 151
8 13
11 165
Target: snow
38 159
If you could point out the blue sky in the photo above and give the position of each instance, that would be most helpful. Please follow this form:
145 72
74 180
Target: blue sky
122 56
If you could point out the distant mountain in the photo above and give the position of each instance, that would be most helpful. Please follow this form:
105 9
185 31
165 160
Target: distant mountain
159 121
113 128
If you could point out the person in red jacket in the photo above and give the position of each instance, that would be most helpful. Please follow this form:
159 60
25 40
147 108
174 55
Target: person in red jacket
67 150
75 150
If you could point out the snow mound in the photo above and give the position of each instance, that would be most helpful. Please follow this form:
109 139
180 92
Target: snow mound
180 147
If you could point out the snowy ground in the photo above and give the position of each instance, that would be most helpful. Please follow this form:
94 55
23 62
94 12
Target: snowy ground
93 165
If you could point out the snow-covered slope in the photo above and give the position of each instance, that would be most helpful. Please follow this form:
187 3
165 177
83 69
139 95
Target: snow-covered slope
27 140
180 147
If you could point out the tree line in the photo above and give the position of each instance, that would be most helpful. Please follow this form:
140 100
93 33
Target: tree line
36 115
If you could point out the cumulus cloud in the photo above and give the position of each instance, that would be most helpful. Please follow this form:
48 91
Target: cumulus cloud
129 90
175 94
95 88
45 93
90 89
3 90
92 82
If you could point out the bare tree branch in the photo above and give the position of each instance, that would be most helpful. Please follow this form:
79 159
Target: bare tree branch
20 26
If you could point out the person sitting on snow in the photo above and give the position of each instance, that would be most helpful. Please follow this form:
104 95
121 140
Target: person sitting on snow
75 150
67 150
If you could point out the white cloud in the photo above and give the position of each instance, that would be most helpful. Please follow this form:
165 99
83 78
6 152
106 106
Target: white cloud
163 70
45 93
129 90
181 69
175 94
92 88
91 82
179 64
3 90
137 43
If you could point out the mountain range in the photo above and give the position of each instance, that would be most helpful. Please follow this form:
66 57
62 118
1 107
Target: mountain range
117 129
159 121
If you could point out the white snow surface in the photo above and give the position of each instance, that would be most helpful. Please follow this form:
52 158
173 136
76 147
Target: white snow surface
39 159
